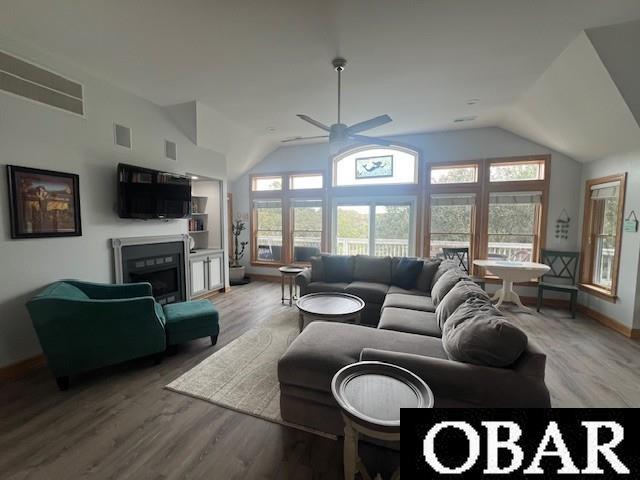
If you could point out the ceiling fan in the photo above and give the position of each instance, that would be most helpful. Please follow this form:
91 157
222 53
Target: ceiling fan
339 133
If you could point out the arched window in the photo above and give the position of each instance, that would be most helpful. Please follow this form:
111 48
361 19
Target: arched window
375 165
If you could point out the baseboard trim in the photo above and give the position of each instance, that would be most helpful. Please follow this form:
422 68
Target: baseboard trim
265 278
22 368
609 322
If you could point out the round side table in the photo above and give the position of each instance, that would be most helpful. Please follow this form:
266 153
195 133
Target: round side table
288 273
370 395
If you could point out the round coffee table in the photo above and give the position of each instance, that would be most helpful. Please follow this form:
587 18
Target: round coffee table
370 395
329 307
289 273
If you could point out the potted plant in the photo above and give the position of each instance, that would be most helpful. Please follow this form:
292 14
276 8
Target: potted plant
236 271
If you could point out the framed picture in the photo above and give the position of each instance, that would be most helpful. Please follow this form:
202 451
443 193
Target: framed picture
43 203
374 167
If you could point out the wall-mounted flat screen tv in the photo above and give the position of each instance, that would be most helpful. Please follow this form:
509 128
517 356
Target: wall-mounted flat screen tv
146 193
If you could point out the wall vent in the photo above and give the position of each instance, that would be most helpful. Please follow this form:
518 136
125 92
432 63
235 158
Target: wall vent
27 80
122 135
170 150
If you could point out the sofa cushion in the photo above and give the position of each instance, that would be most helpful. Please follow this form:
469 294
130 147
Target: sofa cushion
337 268
460 293
66 290
372 269
406 272
323 348
317 287
477 333
410 302
445 283
370 292
394 289
317 270
443 266
409 321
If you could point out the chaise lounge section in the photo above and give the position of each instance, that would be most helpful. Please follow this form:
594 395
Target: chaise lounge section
412 335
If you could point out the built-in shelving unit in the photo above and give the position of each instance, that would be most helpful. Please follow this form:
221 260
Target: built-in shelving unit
206 261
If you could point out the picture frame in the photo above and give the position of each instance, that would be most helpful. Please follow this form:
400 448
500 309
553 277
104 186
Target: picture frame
374 167
43 203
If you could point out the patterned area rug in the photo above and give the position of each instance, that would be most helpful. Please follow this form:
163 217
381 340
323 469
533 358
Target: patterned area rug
243 375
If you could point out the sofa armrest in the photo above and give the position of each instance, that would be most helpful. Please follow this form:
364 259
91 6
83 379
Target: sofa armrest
456 383
303 279
102 291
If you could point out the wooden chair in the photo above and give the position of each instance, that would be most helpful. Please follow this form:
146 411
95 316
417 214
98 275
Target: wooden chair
461 255
564 267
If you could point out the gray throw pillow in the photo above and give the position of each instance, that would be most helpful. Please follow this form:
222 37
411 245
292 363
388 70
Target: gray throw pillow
444 266
317 270
460 293
425 279
478 333
445 283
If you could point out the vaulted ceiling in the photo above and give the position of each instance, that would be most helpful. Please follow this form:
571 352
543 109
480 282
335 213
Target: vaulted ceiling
258 63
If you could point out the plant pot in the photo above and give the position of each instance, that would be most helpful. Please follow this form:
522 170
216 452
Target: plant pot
236 274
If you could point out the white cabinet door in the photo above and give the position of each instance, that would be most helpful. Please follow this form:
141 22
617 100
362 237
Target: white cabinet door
198 267
215 272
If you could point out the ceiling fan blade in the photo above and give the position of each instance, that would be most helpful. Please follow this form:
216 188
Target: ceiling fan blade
369 124
295 139
313 122
374 140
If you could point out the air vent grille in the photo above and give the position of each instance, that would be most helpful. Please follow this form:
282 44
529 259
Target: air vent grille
170 150
35 83
122 135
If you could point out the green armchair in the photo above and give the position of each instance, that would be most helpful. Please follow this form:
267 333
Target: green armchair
82 326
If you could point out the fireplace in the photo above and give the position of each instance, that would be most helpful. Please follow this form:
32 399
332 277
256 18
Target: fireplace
161 261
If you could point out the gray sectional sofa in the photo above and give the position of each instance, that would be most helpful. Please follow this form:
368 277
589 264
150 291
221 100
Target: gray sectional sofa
467 361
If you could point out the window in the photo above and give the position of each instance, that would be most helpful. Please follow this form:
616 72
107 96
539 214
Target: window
268 230
451 222
306 224
266 184
450 174
305 182
287 218
516 171
375 166
382 228
513 226
496 208
604 206
352 230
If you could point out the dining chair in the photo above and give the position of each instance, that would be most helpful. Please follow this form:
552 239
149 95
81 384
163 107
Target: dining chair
563 273
461 255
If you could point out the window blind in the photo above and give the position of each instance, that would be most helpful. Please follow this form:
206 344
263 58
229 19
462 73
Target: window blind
605 190
446 199
515 197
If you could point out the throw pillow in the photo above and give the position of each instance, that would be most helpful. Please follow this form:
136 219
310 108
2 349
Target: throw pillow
445 283
443 267
337 268
317 270
460 293
425 279
477 333
406 273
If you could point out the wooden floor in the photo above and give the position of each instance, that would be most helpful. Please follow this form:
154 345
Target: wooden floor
121 423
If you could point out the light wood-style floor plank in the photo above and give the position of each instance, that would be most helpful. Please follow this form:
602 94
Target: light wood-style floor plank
120 422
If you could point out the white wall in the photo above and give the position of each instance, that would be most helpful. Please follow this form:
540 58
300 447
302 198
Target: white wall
38 136
626 309
457 145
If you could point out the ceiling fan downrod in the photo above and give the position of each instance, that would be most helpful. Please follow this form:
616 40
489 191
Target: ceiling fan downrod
338 65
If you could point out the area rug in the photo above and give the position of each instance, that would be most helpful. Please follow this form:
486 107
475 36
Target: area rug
243 375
